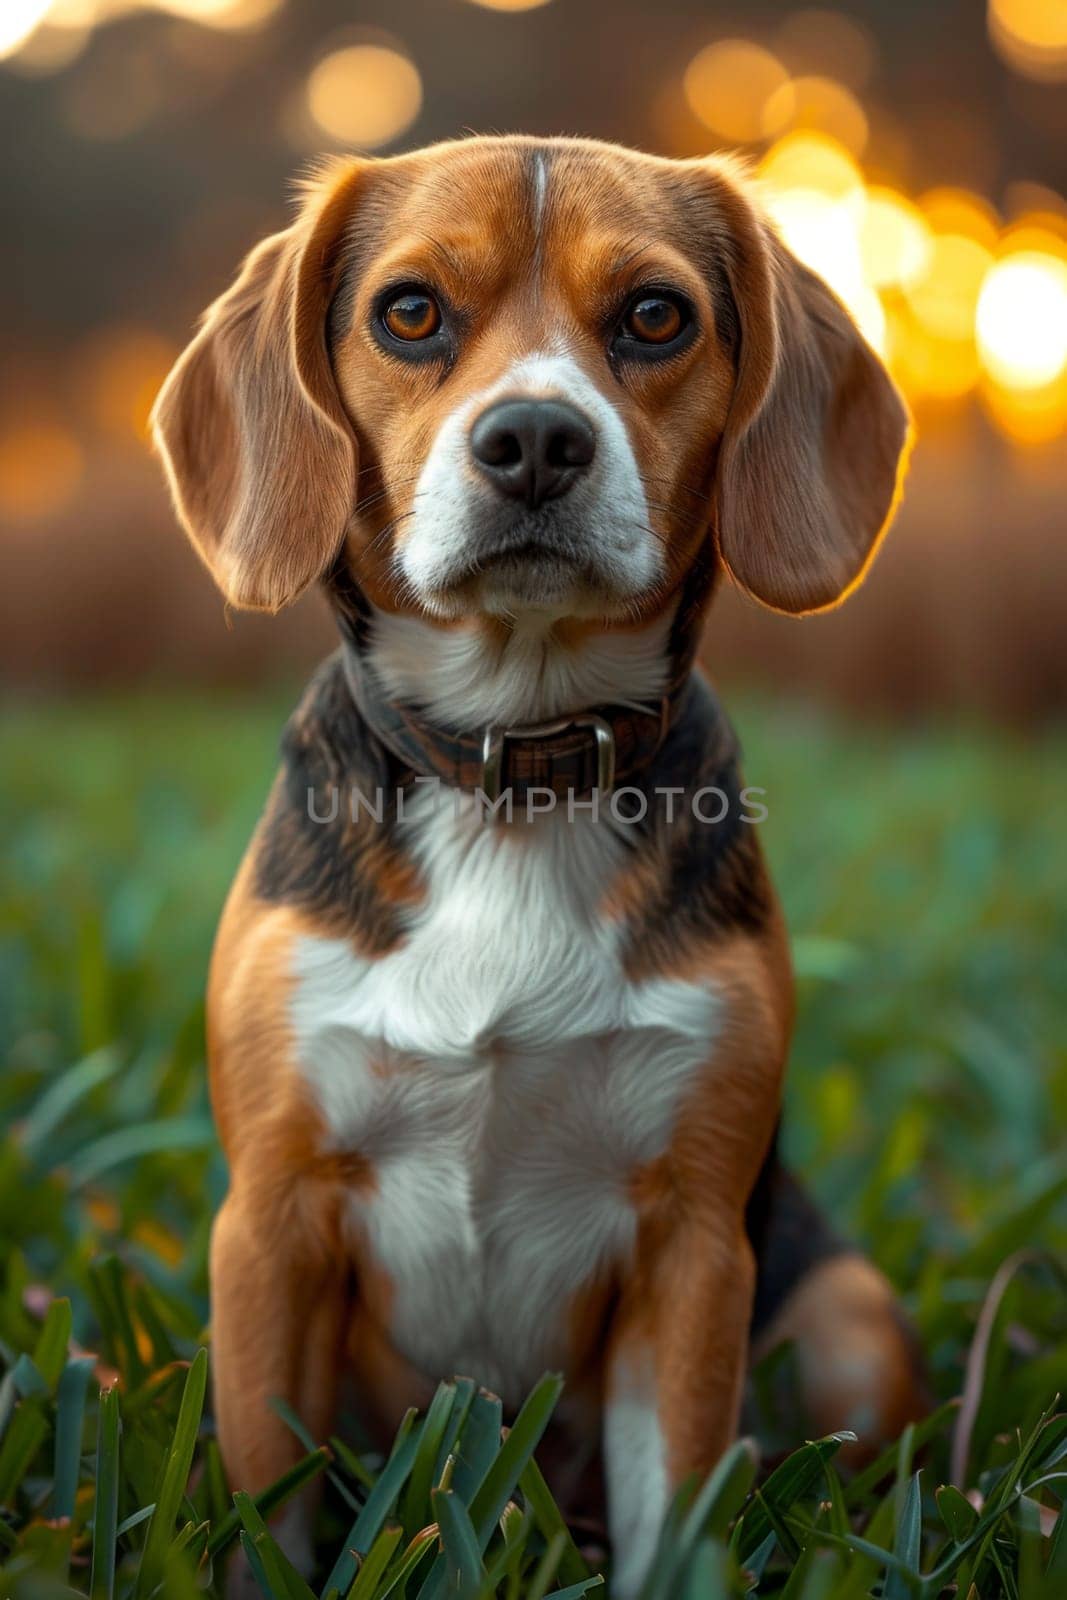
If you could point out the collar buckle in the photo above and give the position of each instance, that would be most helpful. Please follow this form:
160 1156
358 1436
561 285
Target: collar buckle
496 737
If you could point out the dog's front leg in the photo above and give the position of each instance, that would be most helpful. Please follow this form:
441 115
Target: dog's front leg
278 1313
676 1368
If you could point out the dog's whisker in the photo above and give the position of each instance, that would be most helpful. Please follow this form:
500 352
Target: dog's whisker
371 500
390 528
684 488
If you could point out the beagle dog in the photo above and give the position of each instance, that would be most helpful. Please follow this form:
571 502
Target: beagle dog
501 999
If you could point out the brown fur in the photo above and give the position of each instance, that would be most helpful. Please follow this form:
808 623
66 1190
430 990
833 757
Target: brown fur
686 1304
770 445
783 433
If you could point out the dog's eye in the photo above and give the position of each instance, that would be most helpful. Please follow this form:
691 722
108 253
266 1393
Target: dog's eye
653 319
412 315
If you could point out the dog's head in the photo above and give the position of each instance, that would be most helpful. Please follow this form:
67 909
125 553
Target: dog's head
511 374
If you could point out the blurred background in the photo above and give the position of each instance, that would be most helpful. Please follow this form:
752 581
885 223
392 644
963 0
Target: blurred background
912 745
912 151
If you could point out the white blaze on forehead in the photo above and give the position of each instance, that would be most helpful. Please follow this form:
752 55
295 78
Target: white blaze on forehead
540 192
606 511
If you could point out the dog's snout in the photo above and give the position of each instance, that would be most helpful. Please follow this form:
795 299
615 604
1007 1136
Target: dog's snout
532 450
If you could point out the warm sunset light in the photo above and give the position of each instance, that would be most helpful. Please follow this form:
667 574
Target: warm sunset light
18 20
945 297
812 161
123 369
962 299
1031 35
1028 416
364 95
822 233
1021 320
813 191
222 13
924 284
40 469
950 210
52 32
894 240
817 103
820 40
727 85
533 733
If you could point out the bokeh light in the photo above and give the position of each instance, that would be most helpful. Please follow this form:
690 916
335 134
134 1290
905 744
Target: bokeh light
1028 416
1021 320
894 240
18 21
46 35
222 13
41 466
122 369
814 162
56 42
510 5
824 41
364 94
1031 36
951 210
961 302
945 297
727 85
813 192
820 104
955 302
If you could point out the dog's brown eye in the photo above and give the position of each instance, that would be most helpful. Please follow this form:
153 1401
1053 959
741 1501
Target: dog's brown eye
653 319
412 315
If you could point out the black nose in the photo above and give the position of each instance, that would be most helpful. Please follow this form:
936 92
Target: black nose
532 450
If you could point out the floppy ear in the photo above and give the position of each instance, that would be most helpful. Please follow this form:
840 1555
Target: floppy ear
812 453
260 456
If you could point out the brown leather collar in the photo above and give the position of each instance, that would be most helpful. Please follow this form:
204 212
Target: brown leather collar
567 757
599 747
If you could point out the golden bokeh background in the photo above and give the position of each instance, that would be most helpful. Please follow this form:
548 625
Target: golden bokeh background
913 154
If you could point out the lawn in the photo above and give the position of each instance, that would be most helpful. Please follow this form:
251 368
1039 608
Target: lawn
924 874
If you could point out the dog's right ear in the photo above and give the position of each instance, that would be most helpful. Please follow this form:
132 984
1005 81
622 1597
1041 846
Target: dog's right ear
260 455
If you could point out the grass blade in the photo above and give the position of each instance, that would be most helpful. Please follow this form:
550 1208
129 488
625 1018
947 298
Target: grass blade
498 1484
283 1577
791 1481
70 1421
957 1512
538 1496
380 1503
50 1352
463 1557
106 1503
422 1542
377 1559
416 1502
269 1499
477 1445
173 1479
906 1543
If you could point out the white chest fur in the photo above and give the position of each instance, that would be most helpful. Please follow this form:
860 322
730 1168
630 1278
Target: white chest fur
504 1079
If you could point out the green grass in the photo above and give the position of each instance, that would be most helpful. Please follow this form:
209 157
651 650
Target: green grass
924 877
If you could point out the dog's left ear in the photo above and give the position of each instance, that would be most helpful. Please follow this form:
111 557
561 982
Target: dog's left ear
812 452
260 455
